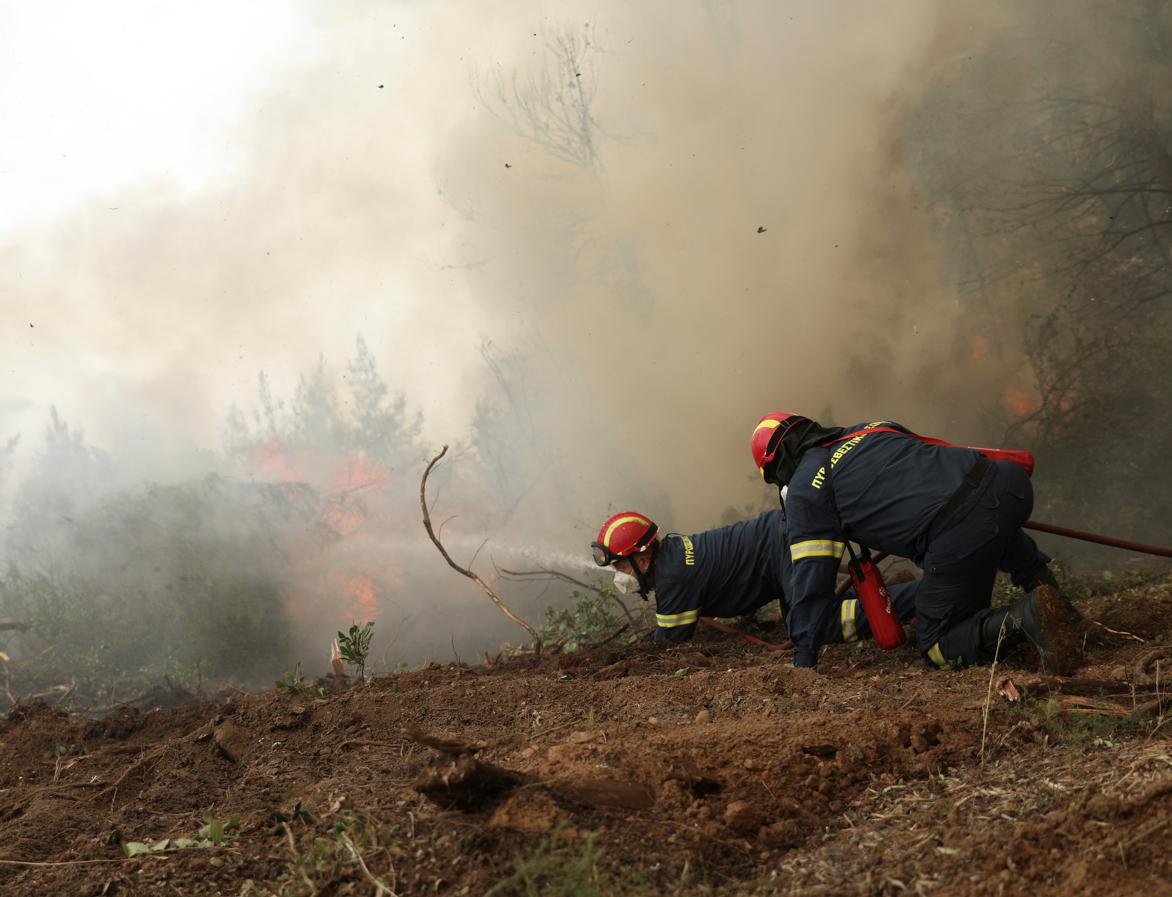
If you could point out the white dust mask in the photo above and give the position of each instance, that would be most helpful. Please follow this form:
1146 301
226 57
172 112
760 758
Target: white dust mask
625 583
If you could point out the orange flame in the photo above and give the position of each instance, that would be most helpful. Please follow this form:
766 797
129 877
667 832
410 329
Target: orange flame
1018 401
364 599
330 581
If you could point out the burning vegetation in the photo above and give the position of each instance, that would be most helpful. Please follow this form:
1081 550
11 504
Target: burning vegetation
228 579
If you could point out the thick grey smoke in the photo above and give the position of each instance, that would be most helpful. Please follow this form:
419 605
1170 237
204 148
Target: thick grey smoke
590 244
373 196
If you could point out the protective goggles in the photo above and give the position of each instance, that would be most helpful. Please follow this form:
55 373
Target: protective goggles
604 557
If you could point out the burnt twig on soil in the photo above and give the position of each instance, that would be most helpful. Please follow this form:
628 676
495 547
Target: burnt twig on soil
464 571
1119 632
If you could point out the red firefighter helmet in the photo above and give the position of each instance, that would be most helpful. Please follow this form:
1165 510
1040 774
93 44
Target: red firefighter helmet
623 536
767 436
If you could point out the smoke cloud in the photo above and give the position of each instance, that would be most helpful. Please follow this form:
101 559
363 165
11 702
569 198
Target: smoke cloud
591 245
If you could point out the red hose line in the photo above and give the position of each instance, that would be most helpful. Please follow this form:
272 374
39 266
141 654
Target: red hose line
768 646
1095 537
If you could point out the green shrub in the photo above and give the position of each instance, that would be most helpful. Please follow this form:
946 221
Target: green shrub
181 581
355 646
589 620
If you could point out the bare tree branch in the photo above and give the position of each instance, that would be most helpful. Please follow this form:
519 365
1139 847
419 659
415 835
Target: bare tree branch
552 107
464 571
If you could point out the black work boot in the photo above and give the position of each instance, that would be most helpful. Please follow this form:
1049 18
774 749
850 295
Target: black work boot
1048 621
1042 575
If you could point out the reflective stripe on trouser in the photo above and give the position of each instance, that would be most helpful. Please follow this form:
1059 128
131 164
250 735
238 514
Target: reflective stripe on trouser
835 627
847 614
937 658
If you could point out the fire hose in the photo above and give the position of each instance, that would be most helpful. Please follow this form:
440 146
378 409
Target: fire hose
752 639
1095 537
1029 524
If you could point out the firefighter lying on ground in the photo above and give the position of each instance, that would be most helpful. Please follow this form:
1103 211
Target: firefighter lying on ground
726 572
952 510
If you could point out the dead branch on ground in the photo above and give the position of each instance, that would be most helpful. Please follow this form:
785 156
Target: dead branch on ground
464 571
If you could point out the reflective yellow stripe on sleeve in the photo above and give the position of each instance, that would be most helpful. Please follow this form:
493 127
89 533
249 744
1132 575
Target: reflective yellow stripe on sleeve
816 548
849 615
667 621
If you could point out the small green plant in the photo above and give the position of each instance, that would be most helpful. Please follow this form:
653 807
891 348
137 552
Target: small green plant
214 830
294 683
355 646
211 834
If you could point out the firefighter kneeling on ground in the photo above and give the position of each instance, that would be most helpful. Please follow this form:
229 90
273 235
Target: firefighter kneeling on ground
726 572
953 510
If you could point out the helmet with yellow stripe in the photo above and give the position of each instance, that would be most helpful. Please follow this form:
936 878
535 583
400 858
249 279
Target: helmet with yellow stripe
767 436
623 536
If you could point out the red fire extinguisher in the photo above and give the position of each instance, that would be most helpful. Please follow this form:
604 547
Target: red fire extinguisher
868 581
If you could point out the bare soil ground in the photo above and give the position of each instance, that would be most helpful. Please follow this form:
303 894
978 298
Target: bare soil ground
713 768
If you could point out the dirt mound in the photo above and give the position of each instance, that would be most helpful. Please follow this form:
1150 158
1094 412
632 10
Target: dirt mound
709 767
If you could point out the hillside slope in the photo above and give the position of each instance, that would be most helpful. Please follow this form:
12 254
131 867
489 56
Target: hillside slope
710 768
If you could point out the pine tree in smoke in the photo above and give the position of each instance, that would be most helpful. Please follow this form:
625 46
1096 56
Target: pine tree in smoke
68 477
379 424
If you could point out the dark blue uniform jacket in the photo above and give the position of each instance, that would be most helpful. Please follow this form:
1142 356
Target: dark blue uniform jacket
723 572
881 490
